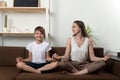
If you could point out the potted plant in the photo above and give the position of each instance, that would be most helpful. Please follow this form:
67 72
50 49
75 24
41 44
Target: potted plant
91 34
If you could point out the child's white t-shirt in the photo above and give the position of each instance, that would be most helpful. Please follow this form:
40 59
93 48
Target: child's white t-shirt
38 51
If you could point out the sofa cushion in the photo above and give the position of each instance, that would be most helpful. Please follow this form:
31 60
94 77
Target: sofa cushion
29 76
8 55
8 73
96 76
61 76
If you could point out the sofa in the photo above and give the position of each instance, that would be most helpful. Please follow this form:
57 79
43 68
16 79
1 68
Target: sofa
8 70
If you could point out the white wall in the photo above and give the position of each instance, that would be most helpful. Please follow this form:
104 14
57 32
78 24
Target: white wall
102 16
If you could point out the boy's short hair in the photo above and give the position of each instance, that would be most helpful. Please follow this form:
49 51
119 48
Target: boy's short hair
41 29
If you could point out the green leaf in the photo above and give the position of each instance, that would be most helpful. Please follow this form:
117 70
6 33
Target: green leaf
91 34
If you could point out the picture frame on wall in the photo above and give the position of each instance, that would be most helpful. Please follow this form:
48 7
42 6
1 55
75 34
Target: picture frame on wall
26 3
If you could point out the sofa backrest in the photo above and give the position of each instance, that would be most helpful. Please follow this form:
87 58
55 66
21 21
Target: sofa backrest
61 50
8 55
99 52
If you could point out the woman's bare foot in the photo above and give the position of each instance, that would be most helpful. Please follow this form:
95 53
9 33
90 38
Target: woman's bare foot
64 72
69 73
74 70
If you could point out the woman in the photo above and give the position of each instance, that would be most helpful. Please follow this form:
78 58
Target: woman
76 54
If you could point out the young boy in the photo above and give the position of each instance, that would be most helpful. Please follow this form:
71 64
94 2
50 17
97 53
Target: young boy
38 59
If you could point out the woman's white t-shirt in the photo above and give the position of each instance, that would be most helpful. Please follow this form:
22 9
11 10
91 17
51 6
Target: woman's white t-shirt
38 51
79 54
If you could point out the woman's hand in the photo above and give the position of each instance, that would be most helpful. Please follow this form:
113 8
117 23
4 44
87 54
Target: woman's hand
55 56
105 58
19 59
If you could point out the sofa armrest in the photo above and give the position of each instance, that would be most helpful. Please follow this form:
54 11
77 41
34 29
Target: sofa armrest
113 66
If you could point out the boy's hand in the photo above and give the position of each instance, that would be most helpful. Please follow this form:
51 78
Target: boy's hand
19 59
54 60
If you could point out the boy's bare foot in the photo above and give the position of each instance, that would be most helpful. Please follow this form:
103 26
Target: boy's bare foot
38 71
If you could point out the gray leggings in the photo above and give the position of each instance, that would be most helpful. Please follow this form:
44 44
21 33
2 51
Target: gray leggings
90 66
